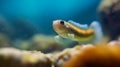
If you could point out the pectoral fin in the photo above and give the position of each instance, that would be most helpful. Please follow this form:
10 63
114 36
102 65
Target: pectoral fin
62 41
58 39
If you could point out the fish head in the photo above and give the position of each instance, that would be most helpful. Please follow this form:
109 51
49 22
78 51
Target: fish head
60 28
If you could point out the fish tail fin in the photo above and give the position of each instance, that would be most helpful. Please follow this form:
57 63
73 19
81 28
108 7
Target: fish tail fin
95 25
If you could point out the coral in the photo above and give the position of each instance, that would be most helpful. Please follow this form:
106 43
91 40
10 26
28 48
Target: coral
89 55
39 42
65 55
4 41
45 43
106 55
11 57
109 15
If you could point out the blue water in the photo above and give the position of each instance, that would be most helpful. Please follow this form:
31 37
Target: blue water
28 17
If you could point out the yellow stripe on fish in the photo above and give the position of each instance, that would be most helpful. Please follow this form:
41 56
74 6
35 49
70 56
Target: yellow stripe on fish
78 32
81 31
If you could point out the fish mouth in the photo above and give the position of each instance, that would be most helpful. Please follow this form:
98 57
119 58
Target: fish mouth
56 24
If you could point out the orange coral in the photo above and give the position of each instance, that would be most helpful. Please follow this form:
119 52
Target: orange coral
98 56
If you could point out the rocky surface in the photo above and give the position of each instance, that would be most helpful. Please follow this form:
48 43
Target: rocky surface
109 15
11 57
107 54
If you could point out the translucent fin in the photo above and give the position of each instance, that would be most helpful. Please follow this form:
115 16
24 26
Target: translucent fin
98 31
58 39
62 41
81 26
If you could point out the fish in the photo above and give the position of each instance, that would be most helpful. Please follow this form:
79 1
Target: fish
82 33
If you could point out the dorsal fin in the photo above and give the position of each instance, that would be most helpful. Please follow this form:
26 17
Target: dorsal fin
81 26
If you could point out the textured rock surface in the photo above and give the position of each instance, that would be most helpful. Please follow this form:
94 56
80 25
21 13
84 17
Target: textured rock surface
104 55
109 12
11 57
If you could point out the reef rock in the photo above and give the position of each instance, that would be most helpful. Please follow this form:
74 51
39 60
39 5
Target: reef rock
11 57
109 13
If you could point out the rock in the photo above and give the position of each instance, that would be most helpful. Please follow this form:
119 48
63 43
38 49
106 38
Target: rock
109 13
97 56
11 57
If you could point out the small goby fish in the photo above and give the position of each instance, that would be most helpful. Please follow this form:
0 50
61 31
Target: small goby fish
78 32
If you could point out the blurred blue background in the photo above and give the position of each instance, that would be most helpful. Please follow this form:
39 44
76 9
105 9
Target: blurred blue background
24 18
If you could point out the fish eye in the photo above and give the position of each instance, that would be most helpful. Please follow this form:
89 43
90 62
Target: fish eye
62 22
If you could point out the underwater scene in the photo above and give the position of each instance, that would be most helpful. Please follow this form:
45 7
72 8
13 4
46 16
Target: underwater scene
59 33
